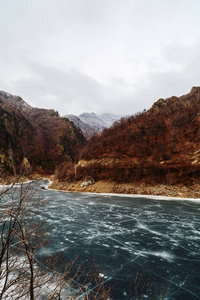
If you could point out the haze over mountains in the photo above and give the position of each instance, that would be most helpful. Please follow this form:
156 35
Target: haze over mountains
90 123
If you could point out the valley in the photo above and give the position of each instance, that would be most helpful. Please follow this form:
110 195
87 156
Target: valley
154 152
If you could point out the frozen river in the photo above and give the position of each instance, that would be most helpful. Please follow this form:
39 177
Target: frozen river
125 232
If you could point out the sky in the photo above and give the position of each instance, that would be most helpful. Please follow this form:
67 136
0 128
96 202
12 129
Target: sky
114 56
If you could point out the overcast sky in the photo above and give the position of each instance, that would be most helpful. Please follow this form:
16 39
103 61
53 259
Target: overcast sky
117 56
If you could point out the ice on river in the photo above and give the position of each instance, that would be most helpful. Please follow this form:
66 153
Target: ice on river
125 232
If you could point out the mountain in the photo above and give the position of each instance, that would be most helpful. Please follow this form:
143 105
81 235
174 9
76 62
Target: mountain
85 128
110 119
90 123
161 145
15 101
38 136
158 146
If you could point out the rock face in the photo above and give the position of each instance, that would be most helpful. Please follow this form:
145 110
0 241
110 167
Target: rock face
90 123
39 135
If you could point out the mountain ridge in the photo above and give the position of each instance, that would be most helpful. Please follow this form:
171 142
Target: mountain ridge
91 123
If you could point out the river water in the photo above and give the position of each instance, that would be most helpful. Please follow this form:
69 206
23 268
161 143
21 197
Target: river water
126 232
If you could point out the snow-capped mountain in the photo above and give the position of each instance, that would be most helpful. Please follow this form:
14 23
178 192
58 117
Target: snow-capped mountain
110 118
90 123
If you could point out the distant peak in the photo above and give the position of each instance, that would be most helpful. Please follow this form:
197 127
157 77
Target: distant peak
88 114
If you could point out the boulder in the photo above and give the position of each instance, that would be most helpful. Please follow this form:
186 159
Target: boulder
87 182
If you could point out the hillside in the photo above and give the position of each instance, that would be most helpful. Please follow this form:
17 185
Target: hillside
38 138
161 145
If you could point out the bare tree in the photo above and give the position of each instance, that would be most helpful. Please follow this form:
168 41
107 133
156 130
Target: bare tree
144 286
22 275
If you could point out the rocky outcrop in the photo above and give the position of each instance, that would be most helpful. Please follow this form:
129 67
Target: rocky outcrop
87 182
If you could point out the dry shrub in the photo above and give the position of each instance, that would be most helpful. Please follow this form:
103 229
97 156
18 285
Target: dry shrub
64 170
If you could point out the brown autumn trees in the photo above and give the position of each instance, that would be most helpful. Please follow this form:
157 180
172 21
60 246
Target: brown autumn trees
151 146
39 135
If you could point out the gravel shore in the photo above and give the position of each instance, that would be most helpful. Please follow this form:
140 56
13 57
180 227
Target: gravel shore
181 191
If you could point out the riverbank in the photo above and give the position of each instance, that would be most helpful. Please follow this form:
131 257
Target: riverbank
20 179
140 188
182 191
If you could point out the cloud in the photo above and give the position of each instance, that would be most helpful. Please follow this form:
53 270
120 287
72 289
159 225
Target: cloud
102 56
60 88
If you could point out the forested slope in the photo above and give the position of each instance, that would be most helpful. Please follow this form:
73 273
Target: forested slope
38 138
159 145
